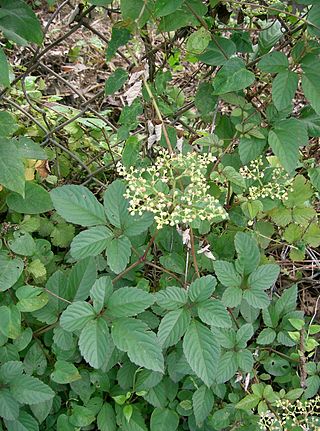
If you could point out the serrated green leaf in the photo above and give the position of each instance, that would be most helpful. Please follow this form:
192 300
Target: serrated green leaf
173 326
249 402
285 139
4 70
128 301
233 76
31 298
41 410
106 419
10 271
119 37
36 200
274 62
9 407
248 252
95 342
157 396
202 403
293 233
35 360
116 206
28 149
136 421
232 175
80 279
182 16
134 337
269 36
24 422
250 149
100 292
202 288
264 276
64 424
284 87
37 269
76 204
311 120
257 298
281 216
314 20
19 23
131 151
312 235
313 385
8 124
115 81
90 242
64 372
81 416
314 175
30 390
300 193
201 351
172 298
213 313
10 370
62 235
245 360
227 367
164 419
147 379
11 166
287 301
118 253
303 216
22 243
63 339
76 316
51 312
166 7
205 101
232 297
266 336
10 321
218 51
134 10
174 262
136 224
198 41
226 273
244 333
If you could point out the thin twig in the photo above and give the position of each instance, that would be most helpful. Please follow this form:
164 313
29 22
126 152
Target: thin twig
193 252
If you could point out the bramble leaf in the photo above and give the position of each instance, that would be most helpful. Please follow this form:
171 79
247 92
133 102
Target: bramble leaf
202 351
134 337
76 204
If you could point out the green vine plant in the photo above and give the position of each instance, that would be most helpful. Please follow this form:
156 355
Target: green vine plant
161 286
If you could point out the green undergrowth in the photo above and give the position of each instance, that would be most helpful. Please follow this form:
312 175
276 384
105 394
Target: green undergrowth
159 295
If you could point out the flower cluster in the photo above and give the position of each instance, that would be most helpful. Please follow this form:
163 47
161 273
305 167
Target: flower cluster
305 415
174 189
278 186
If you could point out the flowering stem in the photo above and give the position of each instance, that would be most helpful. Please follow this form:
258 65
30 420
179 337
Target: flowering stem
156 107
302 366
